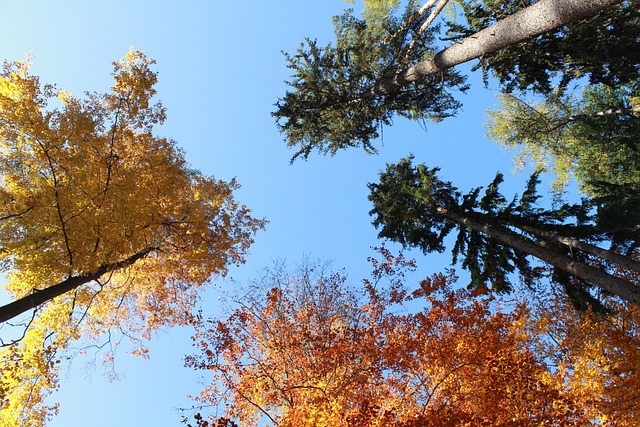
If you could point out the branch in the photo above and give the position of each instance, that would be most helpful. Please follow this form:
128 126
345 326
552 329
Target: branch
15 215
37 298
612 284
609 255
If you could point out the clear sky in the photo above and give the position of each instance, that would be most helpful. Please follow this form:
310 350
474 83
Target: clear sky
220 71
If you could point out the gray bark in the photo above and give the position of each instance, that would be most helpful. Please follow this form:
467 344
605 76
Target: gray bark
614 285
539 18
611 256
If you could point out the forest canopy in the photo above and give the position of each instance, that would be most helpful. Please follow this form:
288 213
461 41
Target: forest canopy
108 234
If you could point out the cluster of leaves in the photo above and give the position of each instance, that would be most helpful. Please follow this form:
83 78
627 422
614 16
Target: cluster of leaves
415 208
87 188
455 360
331 106
603 47
598 353
377 8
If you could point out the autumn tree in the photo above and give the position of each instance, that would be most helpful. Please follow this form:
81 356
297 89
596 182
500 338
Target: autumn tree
342 94
496 237
393 356
598 354
105 229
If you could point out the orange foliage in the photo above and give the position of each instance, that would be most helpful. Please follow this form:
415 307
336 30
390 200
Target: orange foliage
436 356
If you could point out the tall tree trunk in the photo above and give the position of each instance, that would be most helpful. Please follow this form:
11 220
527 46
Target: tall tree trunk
26 303
539 18
603 280
611 256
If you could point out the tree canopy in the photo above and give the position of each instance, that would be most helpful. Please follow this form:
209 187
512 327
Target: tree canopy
104 228
592 140
310 349
329 108
342 95
602 47
603 127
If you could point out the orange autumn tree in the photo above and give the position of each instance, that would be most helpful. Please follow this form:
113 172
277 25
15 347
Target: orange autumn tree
105 230
333 356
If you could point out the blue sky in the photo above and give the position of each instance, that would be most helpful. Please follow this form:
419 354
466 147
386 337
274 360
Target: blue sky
220 72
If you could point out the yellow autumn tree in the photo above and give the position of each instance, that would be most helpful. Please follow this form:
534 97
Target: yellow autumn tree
597 354
104 227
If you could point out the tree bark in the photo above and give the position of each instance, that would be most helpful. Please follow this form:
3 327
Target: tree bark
539 18
603 280
611 256
29 302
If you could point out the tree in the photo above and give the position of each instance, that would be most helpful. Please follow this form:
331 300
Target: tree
495 238
594 139
395 357
343 94
105 229
599 353
328 103
259 354
602 47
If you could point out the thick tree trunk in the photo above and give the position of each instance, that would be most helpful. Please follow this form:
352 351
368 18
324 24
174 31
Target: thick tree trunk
611 256
29 302
539 18
609 283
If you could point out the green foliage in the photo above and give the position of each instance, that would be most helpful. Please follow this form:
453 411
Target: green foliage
537 130
603 48
608 132
375 9
594 139
414 207
410 205
402 210
331 106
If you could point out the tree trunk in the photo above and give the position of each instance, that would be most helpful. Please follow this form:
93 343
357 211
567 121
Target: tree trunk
611 256
29 302
539 18
603 280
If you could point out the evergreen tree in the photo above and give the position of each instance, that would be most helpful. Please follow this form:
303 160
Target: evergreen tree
342 95
495 238
602 47
329 108
594 139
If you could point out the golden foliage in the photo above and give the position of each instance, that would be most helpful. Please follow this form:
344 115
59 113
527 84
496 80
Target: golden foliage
598 355
84 184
